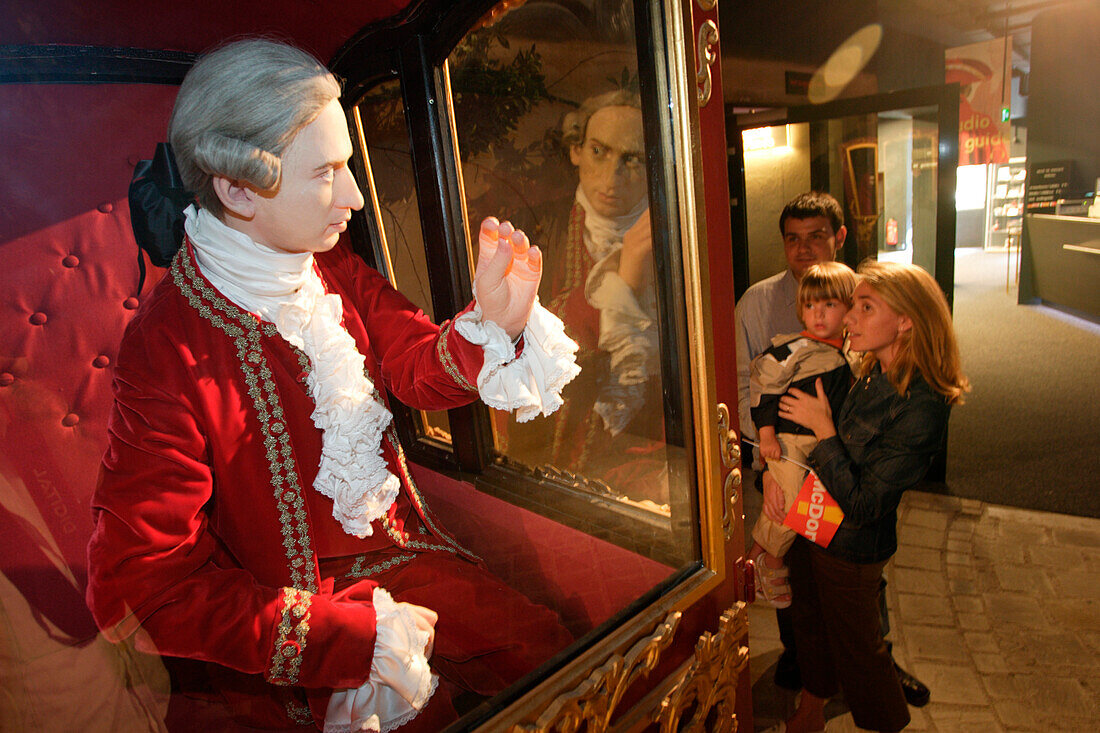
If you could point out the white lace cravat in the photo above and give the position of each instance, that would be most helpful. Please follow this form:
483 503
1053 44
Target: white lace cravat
603 234
284 289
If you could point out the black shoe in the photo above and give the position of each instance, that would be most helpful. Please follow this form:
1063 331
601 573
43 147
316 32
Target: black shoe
787 675
916 692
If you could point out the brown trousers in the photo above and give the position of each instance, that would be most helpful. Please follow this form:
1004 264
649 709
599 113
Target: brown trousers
838 635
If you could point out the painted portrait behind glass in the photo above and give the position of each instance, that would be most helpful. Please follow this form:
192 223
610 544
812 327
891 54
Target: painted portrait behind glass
550 132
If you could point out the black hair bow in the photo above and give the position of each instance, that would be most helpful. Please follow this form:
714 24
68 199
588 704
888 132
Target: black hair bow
157 201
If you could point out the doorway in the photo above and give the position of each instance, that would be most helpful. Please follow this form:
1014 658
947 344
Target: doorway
890 160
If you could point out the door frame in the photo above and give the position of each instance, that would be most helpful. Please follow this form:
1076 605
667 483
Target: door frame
945 98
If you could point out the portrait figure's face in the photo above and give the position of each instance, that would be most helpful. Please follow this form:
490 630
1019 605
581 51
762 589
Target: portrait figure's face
316 192
807 242
611 160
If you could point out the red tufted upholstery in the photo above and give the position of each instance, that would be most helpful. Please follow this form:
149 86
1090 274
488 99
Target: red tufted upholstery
68 280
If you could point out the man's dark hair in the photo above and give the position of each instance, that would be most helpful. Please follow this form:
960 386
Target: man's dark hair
810 204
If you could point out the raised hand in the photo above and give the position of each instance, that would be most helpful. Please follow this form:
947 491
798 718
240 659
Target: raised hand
507 276
636 260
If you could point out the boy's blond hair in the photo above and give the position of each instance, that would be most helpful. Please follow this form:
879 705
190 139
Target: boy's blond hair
826 280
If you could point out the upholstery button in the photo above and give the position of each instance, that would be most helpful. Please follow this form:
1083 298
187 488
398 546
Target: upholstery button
106 207
71 261
130 303
38 318
70 420
6 379
101 361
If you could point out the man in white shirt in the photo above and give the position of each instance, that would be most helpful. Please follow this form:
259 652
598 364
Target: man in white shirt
812 225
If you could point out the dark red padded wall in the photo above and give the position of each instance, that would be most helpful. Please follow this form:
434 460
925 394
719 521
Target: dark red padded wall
195 25
68 286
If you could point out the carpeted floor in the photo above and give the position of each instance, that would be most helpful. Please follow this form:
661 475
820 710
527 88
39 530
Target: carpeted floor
1029 433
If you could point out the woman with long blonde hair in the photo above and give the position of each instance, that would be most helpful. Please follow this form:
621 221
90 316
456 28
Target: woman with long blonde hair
890 426
929 347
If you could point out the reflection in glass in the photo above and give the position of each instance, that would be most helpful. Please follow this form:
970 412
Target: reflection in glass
549 125
882 167
381 119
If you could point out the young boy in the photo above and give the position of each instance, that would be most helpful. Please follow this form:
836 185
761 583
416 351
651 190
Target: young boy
797 360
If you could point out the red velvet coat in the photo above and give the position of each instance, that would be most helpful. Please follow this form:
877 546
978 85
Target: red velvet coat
209 534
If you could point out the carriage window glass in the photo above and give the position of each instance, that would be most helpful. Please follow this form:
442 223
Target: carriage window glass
549 128
380 118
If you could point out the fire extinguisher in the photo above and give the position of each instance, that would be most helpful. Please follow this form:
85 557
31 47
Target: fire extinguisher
891 232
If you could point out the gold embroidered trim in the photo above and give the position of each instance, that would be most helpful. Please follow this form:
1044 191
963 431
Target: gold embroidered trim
272 331
421 508
357 571
245 331
577 260
447 360
402 540
286 657
299 712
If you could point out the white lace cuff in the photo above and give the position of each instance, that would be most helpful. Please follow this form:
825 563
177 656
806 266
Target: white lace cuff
400 683
532 383
605 290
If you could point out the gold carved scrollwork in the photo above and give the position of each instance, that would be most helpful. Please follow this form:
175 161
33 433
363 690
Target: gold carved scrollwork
710 682
592 704
731 463
707 5
706 55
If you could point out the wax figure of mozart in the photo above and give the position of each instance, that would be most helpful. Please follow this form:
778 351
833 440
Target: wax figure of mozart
254 509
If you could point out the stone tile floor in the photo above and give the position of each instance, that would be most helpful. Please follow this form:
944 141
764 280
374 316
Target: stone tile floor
996 609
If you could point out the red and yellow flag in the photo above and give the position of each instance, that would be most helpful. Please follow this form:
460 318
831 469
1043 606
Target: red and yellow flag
814 514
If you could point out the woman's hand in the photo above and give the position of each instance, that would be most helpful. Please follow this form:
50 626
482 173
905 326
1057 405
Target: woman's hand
809 411
507 277
774 502
425 621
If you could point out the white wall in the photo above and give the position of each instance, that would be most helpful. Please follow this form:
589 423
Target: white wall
772 178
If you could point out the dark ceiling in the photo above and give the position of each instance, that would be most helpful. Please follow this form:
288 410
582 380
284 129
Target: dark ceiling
960 22
809 30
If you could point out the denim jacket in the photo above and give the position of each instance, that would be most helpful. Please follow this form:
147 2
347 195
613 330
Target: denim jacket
884 445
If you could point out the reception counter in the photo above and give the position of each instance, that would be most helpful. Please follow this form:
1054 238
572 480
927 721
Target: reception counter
1061 262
